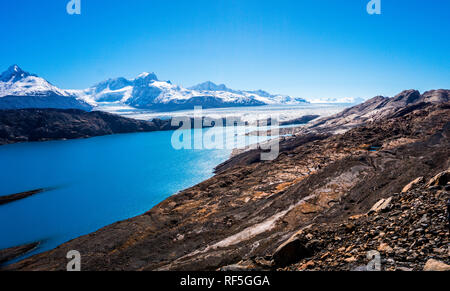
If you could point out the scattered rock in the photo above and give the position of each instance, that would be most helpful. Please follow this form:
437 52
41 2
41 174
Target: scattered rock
434 265
415 230
307 266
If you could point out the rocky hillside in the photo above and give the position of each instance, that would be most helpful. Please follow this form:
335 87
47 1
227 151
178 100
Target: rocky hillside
409 230
329 198
379 108
54 124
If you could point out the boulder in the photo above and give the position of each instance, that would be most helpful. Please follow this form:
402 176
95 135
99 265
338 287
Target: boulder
385 248
434 265
293 250
440 179
235 268
381 206
411 185
350 260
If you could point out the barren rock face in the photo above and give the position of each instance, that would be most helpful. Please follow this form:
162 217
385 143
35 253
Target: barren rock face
437 96
240 217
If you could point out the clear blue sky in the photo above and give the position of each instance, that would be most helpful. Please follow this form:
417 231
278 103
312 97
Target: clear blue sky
304 48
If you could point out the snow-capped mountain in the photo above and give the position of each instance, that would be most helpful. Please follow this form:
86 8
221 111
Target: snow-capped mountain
148 92
16 82
20 89
258 95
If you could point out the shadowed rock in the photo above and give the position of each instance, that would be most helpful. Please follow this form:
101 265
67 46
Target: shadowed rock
440 179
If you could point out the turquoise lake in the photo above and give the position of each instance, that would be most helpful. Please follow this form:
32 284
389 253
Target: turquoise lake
94 182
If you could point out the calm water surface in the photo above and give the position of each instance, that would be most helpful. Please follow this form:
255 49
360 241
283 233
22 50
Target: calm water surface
95 182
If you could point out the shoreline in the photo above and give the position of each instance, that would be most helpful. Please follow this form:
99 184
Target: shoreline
72 124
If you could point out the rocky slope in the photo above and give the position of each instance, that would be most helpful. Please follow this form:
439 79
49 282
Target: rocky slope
55 124
378 108
248 215
409 231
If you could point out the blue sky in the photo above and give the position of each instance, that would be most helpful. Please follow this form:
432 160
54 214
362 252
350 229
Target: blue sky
304 48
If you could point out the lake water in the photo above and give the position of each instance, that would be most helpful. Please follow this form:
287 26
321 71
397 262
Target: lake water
94 182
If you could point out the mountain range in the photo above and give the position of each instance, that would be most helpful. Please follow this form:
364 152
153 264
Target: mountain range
20 89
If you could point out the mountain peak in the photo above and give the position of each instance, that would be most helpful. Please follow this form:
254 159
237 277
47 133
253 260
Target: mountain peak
13 74
408 96
15 68
147 76
209 86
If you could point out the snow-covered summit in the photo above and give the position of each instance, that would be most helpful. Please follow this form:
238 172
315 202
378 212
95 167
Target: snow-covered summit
16 82
13 74
20 89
